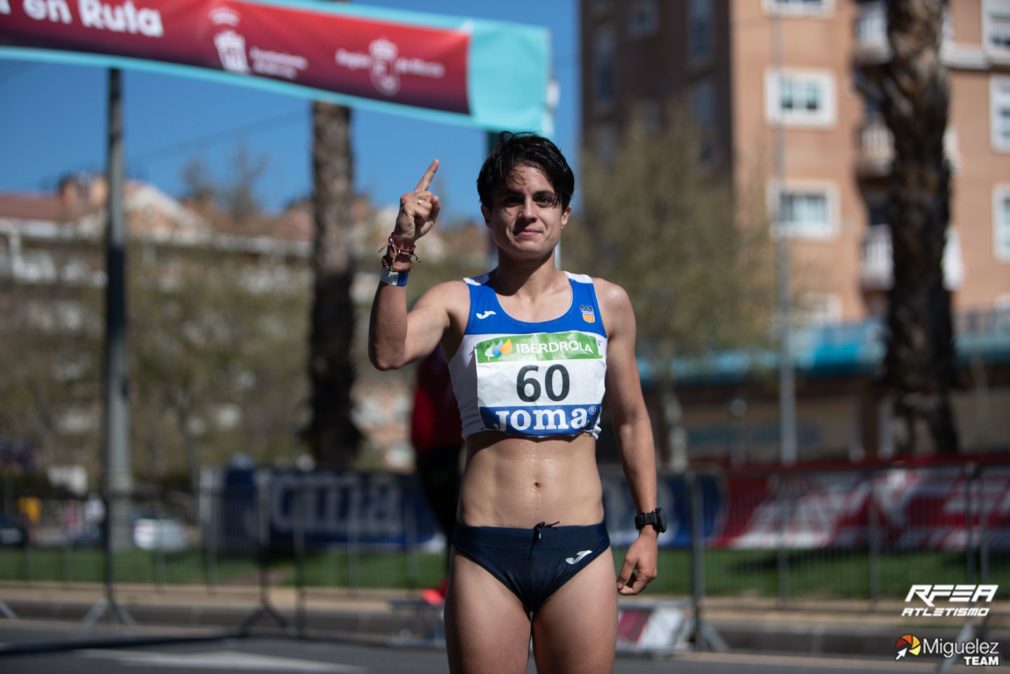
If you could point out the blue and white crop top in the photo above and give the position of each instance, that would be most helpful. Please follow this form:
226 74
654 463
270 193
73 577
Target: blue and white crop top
531 379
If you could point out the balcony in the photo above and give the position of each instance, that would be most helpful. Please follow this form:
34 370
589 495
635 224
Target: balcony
876 260
872 48
876 148
871 34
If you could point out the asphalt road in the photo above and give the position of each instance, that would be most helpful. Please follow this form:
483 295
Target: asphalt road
259 655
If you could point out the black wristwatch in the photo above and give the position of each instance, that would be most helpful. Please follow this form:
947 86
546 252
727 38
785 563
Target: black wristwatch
657 518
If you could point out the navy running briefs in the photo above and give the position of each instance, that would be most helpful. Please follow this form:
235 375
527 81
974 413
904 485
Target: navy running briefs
533 563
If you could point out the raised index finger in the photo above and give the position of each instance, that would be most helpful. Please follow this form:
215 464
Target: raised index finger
425 180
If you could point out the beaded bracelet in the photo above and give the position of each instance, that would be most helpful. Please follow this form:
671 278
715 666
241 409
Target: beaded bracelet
397 250
397 261
398 257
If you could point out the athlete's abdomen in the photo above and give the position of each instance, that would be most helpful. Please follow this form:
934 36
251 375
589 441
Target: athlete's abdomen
517 482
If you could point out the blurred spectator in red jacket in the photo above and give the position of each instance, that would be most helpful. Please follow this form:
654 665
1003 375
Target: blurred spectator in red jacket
436 435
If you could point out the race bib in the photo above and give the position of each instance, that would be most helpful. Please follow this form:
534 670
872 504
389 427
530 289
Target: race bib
548 383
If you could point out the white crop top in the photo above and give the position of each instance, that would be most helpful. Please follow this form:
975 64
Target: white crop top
531 379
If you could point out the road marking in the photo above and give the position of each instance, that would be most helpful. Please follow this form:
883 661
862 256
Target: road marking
220 660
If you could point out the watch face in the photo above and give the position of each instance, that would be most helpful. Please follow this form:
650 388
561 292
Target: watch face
661 519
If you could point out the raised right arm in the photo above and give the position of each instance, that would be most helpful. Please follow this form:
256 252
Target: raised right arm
395 336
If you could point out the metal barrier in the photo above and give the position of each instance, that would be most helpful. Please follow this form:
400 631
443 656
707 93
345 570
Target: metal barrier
862 535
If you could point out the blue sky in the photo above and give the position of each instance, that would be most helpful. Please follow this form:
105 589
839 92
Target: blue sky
52 122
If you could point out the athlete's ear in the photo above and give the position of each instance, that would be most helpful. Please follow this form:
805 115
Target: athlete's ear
565 214
486 213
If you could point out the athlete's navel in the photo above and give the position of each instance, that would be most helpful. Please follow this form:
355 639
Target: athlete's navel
536 484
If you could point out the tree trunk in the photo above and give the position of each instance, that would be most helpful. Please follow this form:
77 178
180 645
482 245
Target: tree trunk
919 367
332 433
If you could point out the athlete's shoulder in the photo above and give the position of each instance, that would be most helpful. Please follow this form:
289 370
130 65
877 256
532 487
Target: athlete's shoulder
608 292
615 305
446 293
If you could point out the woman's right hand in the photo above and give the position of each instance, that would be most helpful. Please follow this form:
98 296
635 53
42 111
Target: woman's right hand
418 209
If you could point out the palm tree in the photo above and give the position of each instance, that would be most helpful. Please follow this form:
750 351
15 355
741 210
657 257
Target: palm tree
913 94
332 434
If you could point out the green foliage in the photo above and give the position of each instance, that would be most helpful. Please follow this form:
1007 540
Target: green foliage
670 229
237 194
218 347
50 359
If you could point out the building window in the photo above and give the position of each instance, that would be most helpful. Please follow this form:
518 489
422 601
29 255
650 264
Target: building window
604 75
996 28
799 6
953 261
999 116
876 209
700 30
603 6
818 309
1001 305
649 113
800 98
806 210
703 112
605 142
644 19
1001 222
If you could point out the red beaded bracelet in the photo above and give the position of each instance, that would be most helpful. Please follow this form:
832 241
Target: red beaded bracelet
398 255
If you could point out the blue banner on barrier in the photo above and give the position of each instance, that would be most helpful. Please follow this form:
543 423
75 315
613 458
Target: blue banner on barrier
387 510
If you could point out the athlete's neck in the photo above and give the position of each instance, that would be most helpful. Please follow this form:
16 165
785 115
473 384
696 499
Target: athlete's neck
526 279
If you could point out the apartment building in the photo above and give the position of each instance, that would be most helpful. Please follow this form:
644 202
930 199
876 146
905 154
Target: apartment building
774 84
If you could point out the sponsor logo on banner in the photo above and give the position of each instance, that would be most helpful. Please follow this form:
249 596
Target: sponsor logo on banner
224 16
383 66
974 652
920 509
386 67
925 598
539 346
231 50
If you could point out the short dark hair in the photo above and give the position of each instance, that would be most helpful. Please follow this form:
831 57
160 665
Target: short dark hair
524 149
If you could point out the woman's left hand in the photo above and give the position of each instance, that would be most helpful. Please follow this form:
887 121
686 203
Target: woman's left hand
640 563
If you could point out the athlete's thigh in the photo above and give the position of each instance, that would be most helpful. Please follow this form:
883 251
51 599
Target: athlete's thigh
576 628
486 628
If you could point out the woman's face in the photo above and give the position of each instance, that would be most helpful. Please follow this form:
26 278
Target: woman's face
526 217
